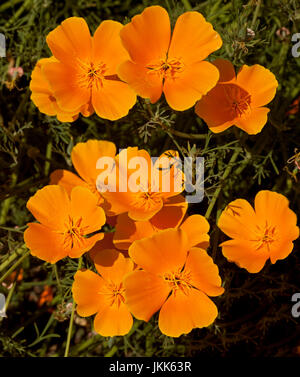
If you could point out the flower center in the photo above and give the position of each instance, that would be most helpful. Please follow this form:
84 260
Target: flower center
115 293
147 200
166 69
238 100
266 237
179 280
74 233
91 75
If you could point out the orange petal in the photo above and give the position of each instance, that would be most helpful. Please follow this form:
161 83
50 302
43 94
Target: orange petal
127 231
204 273
147 36
259 82
43 243
114 100
195 81
63 80
84 206
217 118
226 70
273 209
107 46
85 289
164 252
66 117
142 80
254 122
280 250
71 40
113 321
82 245
143 303
193 38
238 220
183 312
85 156
112 265
171 214
104 244
244 254
196 227
66 179
50 200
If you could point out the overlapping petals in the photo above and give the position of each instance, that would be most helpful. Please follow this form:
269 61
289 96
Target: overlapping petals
170 65
176 280
241 99
265 232
65 223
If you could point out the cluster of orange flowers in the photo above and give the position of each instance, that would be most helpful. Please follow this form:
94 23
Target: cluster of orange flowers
105 73
155 258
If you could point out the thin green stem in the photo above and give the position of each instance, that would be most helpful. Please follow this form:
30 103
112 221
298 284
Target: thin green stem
255 15
71 318
14 266
225 175
12 257
57 279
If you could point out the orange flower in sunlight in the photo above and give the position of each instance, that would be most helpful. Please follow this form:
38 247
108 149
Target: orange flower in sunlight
65 223
140 187
86 71
196 226
267 231
238 100
175 279
170 65
46 296
84 158
43 97
104 294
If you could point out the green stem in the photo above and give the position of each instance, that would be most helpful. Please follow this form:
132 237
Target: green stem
225 175
71 318
48 158
7 202
186 4
14 266
18 13
57 279
255 15
11 258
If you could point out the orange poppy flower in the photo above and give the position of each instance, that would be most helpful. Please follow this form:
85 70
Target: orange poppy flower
175 279
104 294
86 71
240 99
173 66
267 231
64 223
84 158
43 97
127 230
155 185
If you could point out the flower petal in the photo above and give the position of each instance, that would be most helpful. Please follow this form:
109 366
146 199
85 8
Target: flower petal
244 254
112 265
196 227
46 202
238 220
114 100
147 36
107 46
63 80
171 214
113 321
85 289
142 80
70 40
183 312
193 38
204 272
195 81
226 70
145 293
259 82
44 243
66 179
254 122
164 252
